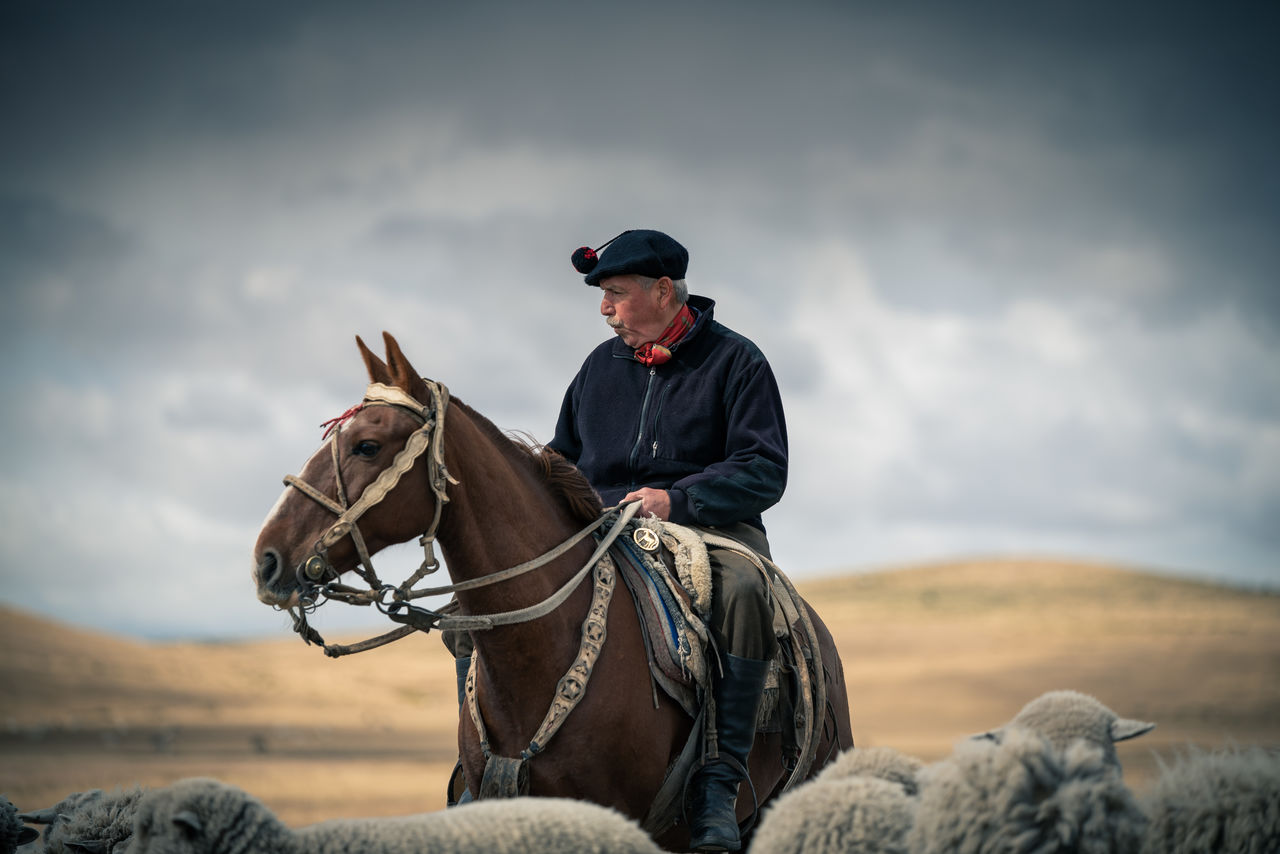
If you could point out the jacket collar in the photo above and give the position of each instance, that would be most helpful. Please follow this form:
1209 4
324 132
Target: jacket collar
703 307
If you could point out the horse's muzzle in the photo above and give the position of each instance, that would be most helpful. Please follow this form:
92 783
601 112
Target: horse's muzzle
275 586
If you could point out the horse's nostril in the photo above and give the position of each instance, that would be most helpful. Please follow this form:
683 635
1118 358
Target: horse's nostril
268 567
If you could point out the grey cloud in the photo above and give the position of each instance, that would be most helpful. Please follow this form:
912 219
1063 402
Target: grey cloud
1013 271
1140 127
41 237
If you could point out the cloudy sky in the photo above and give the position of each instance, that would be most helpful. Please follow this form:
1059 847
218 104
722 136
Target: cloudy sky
1015 265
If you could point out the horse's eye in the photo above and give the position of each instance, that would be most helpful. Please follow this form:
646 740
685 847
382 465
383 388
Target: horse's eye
365 449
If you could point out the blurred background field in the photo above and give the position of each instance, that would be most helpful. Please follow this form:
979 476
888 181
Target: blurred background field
931 653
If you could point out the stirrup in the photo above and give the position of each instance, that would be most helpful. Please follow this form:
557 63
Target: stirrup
456 792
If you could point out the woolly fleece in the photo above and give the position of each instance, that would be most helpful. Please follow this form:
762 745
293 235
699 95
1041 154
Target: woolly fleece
1021 795
204 816
850 815
1222 802
881 763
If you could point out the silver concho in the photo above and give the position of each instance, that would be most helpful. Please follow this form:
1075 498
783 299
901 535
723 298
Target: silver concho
646 539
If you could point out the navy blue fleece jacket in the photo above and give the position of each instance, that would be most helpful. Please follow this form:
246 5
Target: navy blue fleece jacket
707 426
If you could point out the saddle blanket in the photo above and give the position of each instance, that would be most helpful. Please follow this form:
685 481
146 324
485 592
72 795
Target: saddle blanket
671 587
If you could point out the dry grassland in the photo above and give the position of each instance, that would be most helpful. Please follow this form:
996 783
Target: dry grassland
931 655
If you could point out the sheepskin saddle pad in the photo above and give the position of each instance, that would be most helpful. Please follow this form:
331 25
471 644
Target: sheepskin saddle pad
668 573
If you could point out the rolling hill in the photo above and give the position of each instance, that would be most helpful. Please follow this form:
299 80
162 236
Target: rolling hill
931 653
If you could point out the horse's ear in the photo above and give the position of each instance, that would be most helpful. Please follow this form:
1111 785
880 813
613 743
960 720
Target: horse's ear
378 370
402 373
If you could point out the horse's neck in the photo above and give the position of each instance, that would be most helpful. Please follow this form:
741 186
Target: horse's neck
501 514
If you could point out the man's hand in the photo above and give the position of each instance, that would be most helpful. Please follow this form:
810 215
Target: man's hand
656 502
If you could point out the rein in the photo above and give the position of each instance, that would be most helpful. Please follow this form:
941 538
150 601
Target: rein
428 437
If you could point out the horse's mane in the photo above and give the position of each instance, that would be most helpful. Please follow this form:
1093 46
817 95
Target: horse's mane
562 478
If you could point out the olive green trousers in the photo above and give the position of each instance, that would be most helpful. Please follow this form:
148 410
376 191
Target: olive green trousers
741 620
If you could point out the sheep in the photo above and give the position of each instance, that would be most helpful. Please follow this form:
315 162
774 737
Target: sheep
1224 801
1064 716
205 815
882 763
846 814
1021 794
849 814
92 822
13 833
862 802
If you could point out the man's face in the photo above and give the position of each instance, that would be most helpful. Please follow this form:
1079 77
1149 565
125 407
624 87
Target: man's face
637 314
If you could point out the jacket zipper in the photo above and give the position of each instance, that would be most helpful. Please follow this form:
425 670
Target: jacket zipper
644 413
657 418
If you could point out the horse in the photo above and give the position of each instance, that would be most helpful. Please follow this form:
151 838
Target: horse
396 468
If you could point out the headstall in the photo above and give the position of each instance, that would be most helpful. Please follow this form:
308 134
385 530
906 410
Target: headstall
313 571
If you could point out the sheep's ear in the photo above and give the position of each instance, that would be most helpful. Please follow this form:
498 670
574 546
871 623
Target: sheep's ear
87 846
188 821
989 735
28 834
1123 729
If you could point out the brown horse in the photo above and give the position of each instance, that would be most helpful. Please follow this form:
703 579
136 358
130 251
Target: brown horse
507 503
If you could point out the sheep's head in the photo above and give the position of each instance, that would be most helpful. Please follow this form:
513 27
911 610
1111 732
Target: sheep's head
12 831
92 822
203 815
1066 716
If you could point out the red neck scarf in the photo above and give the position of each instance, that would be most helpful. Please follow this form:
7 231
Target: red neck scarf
659 352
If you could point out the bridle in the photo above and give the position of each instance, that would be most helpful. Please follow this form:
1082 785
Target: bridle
428 436
428 439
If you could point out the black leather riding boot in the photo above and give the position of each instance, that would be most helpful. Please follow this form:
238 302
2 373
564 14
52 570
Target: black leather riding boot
713 824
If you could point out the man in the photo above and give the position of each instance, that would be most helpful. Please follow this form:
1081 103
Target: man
683 414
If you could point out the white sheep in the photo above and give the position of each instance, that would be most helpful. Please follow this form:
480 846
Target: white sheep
1221 802
203 815
846 814
13 832
861 803
880 762
92 822
1021 794
1064 716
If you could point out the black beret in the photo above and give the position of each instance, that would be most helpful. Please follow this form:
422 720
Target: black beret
641 252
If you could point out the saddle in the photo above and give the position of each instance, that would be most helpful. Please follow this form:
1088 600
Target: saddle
667 569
